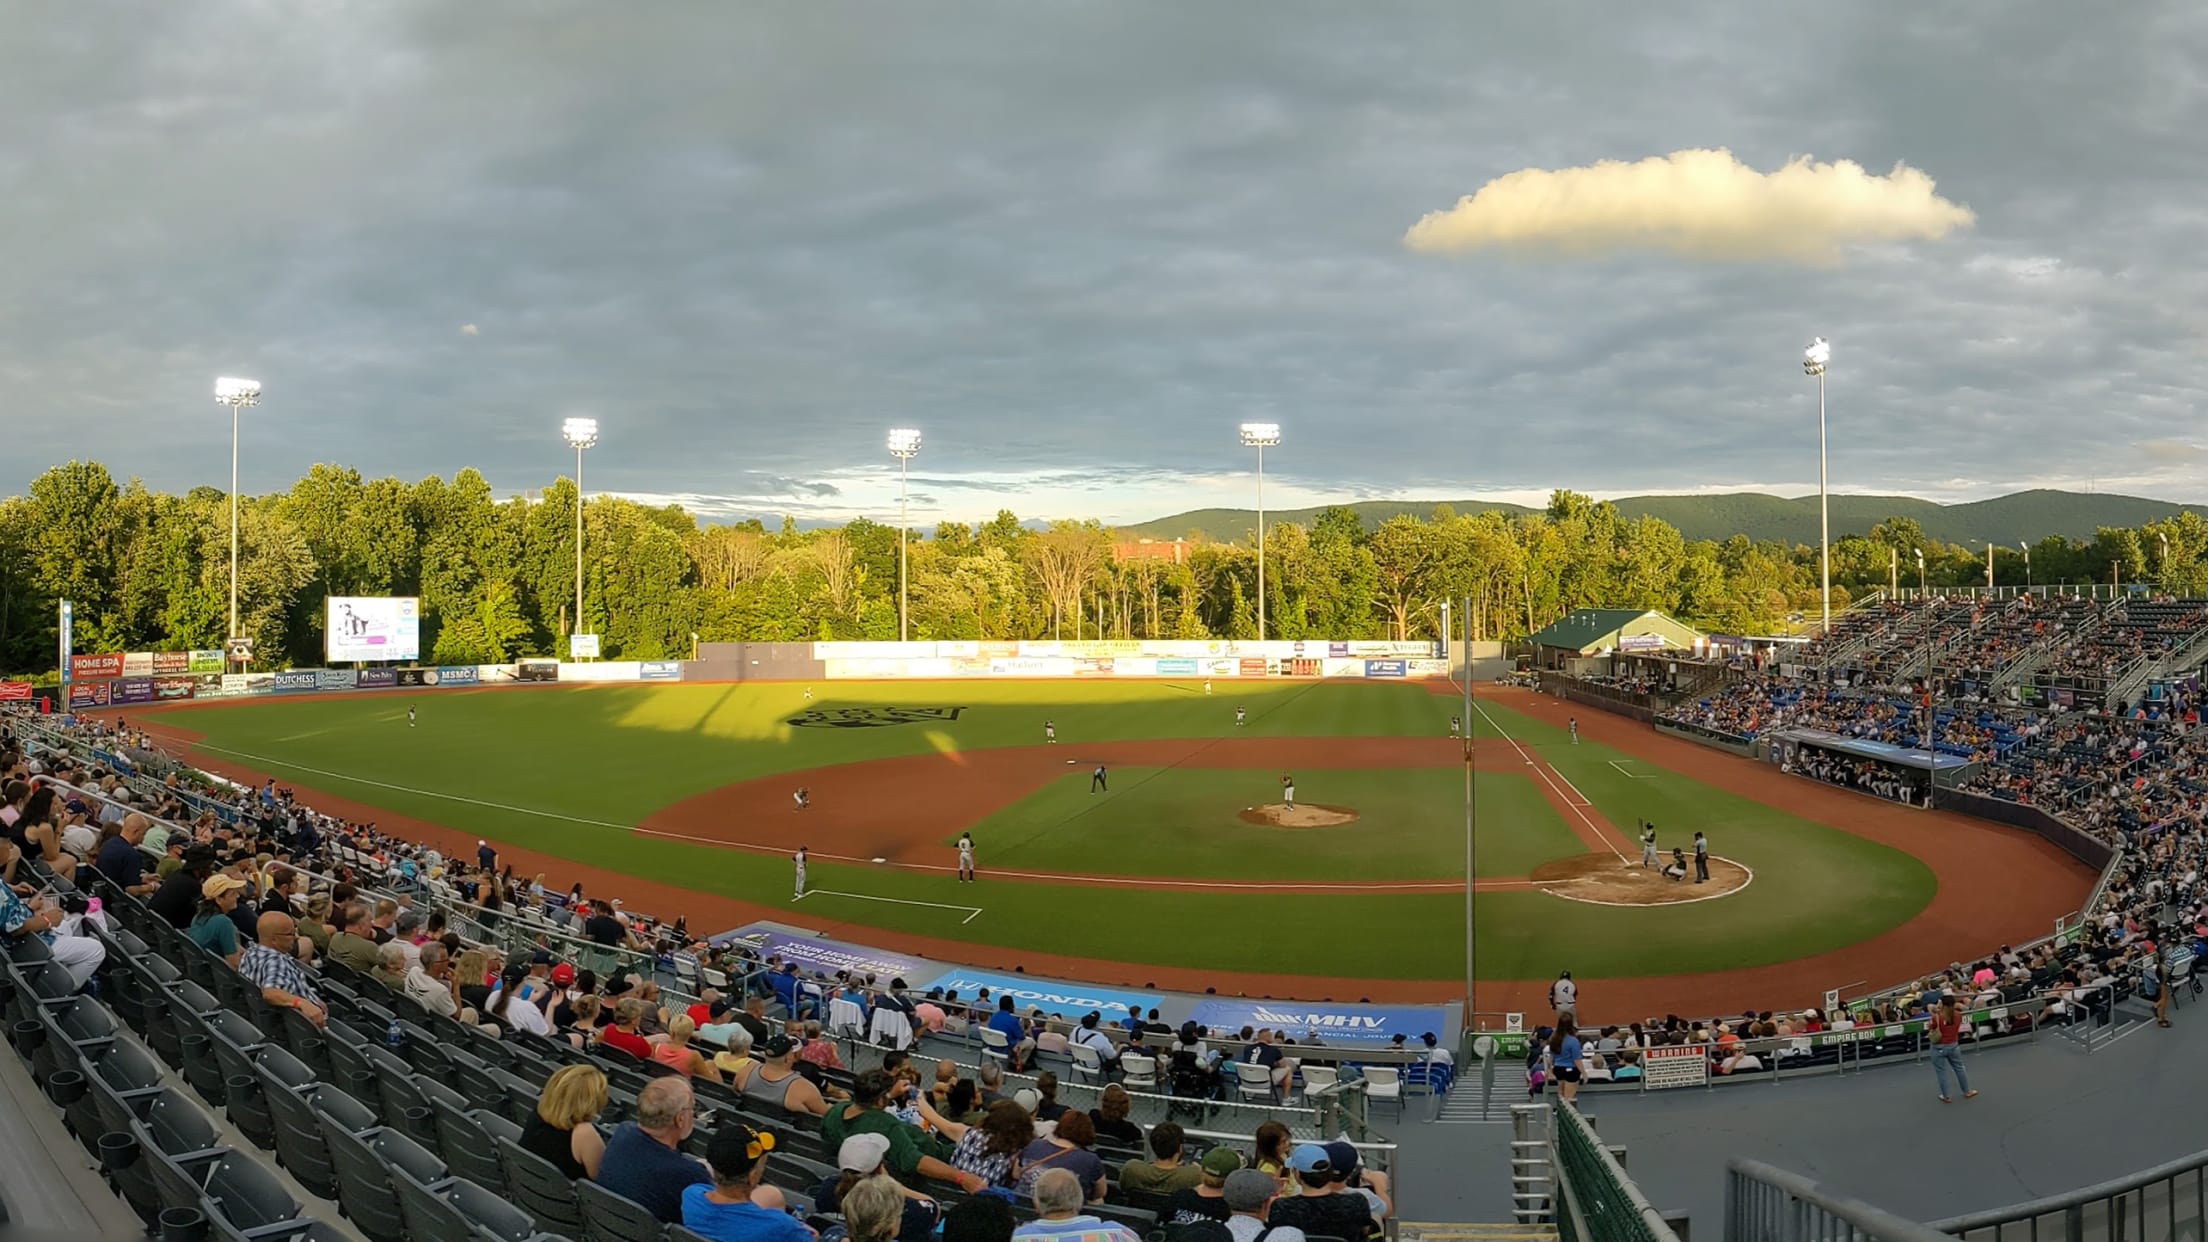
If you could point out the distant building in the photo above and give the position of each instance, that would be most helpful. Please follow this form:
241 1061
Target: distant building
1174 550
1585 633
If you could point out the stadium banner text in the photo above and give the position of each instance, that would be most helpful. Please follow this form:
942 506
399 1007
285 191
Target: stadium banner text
1329 1023
15 691
1056 997
812 953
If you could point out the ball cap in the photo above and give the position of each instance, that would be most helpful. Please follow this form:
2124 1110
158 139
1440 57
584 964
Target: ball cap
862 1153
219 883
563 974
1248 1189
1309 1158
1222 1161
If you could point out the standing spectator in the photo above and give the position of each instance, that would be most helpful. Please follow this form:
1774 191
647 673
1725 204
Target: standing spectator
1946 1028
1564 1058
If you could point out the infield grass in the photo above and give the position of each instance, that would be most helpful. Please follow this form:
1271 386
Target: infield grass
567 771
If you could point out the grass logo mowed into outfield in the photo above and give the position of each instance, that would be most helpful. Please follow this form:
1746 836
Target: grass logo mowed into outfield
873 717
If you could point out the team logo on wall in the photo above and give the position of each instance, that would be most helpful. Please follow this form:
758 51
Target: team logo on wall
873 717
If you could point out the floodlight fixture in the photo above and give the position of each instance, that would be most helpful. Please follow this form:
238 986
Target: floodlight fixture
1260 435
1815 358
904 442
580 433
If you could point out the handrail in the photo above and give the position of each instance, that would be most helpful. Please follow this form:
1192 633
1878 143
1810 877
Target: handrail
1767 1204
1576 1151
1994 1217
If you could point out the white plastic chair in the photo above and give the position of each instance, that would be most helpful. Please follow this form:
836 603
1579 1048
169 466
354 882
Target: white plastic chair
1087 1065
1138 1072
845 1019
891 1029
1254 1082
1317 1078
995 1047
1385 1082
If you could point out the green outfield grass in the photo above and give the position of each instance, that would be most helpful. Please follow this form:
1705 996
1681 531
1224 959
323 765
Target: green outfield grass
566 771
1185 822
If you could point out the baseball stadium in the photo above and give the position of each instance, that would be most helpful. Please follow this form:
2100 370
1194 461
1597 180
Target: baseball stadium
1102 624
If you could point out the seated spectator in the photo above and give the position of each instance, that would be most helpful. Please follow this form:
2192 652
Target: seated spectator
1065 1149
563 1129
983 1218
79 955
643 1160
876 1210
315 924
1249 1195
989 1149
1110 1118
273 964
676 1053
737 1063
178 898
581 1030
211 928
818 1049
859 1161
1090 1035
119 859
509 1008
912 1154
1323 1205
390 966
1271 1150
354 944
432 985
775 1082
732 1206
1006 1022
622 1034
1166 1172
1057 1194
1047 1108
1207 1199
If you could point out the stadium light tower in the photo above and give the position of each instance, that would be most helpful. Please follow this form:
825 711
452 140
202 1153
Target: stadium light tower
237 394
582 433
1814 360
904 445
1260 436
2026 549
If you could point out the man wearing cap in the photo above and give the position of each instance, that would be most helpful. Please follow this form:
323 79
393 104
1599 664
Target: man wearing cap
1166 1173
734 1207
1322 1204
1207 1200
911 1153
1059 1198
776 1084
178 898
1250 1195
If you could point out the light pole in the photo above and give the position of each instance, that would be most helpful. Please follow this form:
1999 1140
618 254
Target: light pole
1260 436
582 433
2026 549
237 394
2164 538
904 443
1931 750
1814 360
1921 597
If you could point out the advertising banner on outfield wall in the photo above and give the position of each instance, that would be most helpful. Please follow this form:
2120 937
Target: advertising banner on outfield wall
137 664
292 680
1056 997
537 670
1331 1023
171 688
15 691
829 956
133 690
87 694
248 683
609 670
1176 666
376 678
450 675
335 679
659 670
412 676
96 667
1386 668
171 663
495 674
206 685
203 661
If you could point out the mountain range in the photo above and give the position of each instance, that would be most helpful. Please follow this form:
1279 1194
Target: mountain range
2025 516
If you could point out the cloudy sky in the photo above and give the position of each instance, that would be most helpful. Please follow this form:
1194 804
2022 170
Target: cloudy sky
1076 243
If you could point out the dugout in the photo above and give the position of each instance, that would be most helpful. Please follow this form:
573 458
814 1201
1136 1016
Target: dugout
1800 751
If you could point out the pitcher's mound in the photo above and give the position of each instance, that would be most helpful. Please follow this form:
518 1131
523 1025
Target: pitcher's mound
1604 880
1301 815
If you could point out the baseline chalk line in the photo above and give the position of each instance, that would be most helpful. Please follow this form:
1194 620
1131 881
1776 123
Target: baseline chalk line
1619 764
972 912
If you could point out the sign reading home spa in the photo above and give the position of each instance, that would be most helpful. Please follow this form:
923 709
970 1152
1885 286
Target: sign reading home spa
873 717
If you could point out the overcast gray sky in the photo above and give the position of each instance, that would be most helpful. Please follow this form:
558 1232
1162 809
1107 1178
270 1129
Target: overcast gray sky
1075 243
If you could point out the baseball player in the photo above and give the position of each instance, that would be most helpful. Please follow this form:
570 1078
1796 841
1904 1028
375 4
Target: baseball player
1288 791
965 857
1648 844
1701 858
1238 716
1456 726
410 715
1574 723
799 860
1096 781
808 694
803 798
1207 685
1050 731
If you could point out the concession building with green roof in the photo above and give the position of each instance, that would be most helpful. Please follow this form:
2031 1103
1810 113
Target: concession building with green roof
1585 633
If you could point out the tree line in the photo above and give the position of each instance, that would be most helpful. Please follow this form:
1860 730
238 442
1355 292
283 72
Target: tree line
149 570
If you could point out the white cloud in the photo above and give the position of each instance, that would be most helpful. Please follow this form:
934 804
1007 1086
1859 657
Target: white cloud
1701 203
468 329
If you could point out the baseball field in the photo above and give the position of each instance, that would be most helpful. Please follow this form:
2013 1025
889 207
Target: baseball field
1182 866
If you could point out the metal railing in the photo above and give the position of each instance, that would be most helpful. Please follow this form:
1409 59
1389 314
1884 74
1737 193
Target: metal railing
1596 1201
1765 1204
2167 1201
